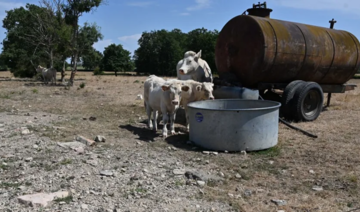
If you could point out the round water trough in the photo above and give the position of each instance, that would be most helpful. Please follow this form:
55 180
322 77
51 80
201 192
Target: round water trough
234 124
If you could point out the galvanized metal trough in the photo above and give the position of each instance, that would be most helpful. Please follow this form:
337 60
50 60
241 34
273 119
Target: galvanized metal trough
234 124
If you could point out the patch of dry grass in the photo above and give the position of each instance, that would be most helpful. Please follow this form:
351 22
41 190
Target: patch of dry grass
279 173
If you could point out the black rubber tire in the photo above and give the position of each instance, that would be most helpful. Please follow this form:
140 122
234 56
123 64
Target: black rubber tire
307 102
287 97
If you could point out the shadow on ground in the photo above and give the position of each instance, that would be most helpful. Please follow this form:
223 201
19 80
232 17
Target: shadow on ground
180 140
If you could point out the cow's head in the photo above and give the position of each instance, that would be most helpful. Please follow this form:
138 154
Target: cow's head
189 53
206 89
190 64
39 68
174 91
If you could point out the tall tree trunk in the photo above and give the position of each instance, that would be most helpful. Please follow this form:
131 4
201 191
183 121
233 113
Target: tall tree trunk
75 52
63 70
51 59
73 69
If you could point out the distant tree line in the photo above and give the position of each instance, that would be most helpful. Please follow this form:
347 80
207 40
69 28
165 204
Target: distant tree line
48 34
159 51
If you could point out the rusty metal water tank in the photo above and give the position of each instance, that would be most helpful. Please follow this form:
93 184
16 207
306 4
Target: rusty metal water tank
259 49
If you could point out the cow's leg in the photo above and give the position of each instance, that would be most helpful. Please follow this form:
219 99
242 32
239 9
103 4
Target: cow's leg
187 117
172 120
148 111
155 113
165 121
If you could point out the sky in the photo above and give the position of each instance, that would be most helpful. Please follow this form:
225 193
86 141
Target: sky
123 21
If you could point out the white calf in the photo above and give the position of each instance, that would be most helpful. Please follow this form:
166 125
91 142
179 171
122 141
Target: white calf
161 96
195 91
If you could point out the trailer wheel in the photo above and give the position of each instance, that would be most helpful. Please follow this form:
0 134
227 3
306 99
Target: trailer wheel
308 102
286 99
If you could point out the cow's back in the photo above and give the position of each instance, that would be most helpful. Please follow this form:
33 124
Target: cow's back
151 83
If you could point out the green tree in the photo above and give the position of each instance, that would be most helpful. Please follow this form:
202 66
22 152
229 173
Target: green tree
92 59
116 59
159 52
17 51
33 37
205 40
73 11
3 66
88 35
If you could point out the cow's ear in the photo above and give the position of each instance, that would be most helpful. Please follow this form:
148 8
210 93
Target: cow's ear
197 56
185 88
198 88
165 87
199 53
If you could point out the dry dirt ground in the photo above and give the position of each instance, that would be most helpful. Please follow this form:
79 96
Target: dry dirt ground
147 173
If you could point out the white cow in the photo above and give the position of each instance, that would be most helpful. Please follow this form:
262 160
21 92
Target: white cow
195 91
49 74
193 67
161 96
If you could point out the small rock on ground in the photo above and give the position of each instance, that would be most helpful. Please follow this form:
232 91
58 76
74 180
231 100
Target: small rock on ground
100 138
41 199
279 202
106 173
179 171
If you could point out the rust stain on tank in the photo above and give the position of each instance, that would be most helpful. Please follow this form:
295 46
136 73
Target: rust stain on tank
260 49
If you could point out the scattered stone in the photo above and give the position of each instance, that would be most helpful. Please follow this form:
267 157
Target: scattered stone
62 203
280 211
231 195
200 183
100 138
172 148
71 145
201 176
92 162
279 202
41 199
179 171
29 159
139 97
35 146
110 193
79 150
271 162
22 188
317 188
2 130
243 152
210 152
106 173
25 131
311 172
2 125
238 176
247 192
85 141
84 206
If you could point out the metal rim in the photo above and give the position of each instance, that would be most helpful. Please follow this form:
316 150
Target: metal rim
311 103
276 105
